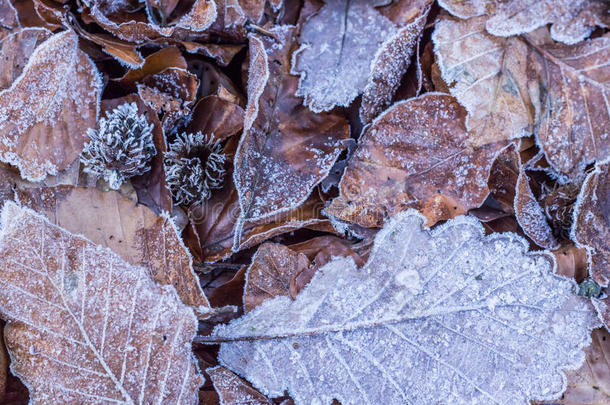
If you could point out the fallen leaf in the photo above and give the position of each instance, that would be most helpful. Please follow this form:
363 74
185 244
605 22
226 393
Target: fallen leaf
509 86
156 62
416 155
503 177
268 276
50 101
233 390
591 227
494 326
131 230
83 323
285 149
213 115
590 384
572 20
338 44
571 262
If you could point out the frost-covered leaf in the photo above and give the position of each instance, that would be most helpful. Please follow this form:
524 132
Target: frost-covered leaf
85 326
338 45
131 230
285 149
590 384
50 95
573 20
415 154
513 86
233 390
389 65
441 316
591 228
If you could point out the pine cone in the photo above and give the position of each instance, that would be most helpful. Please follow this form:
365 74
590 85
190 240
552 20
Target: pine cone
194 167
121 147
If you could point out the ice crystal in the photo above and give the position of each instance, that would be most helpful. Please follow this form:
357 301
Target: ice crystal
444 316
121 147
194 167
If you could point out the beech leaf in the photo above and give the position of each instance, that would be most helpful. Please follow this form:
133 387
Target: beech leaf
447 315
511 86
85 326
573 20
416 154
50 101
232 390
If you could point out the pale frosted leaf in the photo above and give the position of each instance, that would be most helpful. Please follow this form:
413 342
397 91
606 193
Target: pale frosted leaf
233 390
441 316
591 227
46 110
572 20
513 86
338 45
285 149
85 326
131 230
416 154
389 65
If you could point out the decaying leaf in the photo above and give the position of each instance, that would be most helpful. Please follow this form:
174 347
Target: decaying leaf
233 390
131 230
48 103
591 227
85 326
285 149
573 20
446 316
511 86
415 154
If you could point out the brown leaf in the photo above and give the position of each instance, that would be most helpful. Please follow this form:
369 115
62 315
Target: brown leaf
415 155
509 86
222 54
49 102
591 228
131 230
590 384
169 92
269 274
285 149
571 262
233 390
83 323
157 62
213 115
573 20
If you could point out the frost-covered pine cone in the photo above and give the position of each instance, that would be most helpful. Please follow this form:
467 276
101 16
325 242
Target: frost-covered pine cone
194 167
121 147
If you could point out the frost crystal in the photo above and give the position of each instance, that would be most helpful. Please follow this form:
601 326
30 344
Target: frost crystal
121 147
194 167
444 316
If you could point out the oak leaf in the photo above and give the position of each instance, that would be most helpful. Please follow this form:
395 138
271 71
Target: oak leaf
513 87
447 315
49 97
415 154
573 20
285 149
85 326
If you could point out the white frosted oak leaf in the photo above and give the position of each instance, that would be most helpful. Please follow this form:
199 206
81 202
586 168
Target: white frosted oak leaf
49 97
442 316
84 326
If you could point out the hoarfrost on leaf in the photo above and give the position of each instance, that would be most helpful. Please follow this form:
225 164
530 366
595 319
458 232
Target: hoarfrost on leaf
338 45
442 316
84 326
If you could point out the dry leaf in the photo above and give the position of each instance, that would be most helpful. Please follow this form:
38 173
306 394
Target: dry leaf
47 106
442 316
415 154
509 86
571 262
131 230
269 274
213 115
285 149
573 20
233 390
591 227
85 326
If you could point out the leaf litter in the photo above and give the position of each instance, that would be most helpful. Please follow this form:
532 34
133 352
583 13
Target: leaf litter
343 127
